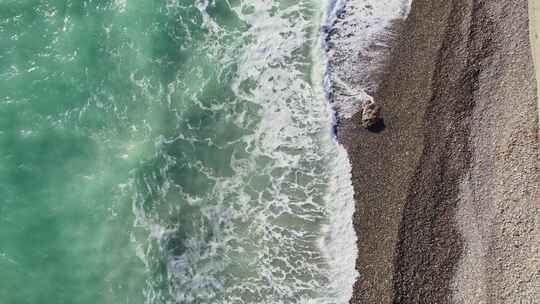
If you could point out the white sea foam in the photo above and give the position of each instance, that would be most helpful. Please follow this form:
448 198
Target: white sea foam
339 242
358 46
277 229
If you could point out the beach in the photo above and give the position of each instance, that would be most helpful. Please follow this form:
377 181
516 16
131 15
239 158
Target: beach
534 29
448 192
211 152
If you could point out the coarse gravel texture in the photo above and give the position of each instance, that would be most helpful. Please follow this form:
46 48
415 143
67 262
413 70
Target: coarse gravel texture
448 192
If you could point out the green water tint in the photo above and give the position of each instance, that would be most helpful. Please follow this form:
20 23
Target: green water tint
134 157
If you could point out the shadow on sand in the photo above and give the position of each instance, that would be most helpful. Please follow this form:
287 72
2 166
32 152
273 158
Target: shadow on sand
378 127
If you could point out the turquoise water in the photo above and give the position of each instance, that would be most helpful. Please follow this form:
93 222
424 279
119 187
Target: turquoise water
171 151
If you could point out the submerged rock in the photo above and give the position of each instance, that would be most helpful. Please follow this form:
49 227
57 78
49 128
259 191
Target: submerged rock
371 114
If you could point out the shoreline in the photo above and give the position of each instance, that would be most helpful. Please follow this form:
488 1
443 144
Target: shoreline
335 235
447 194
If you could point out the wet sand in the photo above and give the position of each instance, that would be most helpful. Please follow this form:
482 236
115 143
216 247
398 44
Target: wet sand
448 193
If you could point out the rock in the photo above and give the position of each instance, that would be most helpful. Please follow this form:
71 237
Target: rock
371 114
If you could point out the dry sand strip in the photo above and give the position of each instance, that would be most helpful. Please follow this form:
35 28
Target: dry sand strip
448 194
534 30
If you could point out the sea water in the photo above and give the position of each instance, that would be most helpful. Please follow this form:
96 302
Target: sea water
169 151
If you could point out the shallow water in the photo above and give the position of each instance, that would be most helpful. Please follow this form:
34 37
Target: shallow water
171 151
